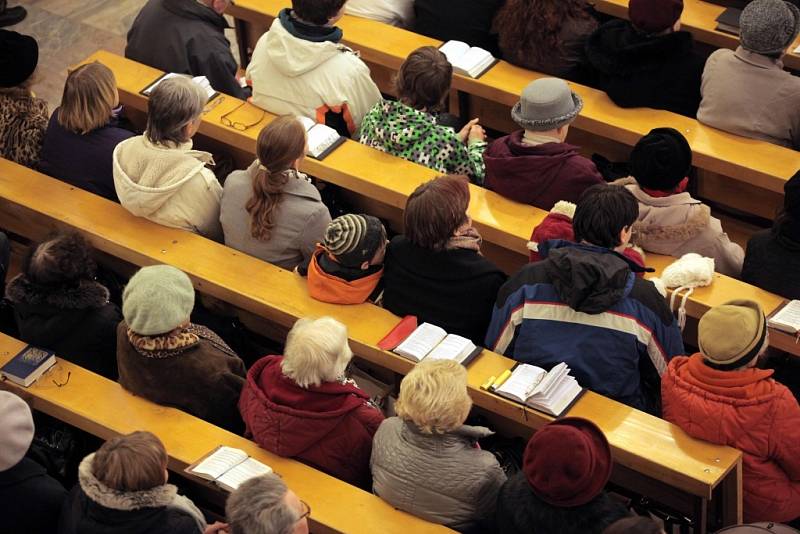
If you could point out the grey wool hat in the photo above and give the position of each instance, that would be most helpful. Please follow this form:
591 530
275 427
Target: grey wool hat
546 104
354 239
769 26
157 300
16 422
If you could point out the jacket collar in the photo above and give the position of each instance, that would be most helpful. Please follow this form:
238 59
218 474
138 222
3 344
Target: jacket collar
191 9
758 60
98 492
299 184
308 32
87 294
552 244
738 383
464 434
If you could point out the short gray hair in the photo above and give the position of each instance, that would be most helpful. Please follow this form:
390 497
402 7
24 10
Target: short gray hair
174 103
258 507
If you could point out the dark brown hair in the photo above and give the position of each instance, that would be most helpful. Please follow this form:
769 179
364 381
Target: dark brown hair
64 259
424 79
135 462
435 210
602 212
279 144
317 12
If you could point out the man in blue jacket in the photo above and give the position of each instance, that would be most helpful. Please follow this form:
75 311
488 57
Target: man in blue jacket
584 305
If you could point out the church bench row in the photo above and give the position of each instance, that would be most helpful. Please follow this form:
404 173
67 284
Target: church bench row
650 454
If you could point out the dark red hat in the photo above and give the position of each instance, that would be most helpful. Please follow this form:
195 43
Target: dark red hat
568 462
654 16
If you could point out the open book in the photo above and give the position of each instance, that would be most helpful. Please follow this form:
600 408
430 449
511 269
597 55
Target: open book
551 392
202 81
433 343
322 139
787 318
466 60
228 467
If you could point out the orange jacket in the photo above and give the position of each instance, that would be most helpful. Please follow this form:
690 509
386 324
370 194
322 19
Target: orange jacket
330 288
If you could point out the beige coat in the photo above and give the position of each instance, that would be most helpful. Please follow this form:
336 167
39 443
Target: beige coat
751 95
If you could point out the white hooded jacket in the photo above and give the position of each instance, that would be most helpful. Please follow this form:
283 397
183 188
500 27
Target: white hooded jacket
170 186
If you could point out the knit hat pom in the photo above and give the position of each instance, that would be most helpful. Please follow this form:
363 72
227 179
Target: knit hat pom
353 239
157 300
661 159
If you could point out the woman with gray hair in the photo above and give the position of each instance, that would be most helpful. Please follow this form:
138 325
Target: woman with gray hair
158 176
265 505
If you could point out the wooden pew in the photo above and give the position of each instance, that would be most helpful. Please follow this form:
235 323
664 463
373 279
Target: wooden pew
650 454
699 18
94 404
758 169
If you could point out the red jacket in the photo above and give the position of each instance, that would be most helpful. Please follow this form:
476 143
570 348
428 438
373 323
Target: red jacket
748 410
329 427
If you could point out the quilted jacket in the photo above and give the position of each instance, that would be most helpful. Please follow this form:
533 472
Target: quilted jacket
750 411
329 426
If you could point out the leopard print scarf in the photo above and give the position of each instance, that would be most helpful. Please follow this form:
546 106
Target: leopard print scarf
176 342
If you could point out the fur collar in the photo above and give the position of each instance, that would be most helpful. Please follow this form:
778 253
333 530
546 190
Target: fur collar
697 222
163 495
87 294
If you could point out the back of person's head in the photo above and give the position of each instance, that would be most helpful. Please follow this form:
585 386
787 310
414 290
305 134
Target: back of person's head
90 95
64 259
661 160
634 525
602 212
732 335
16 421
157 300
280 144
433 396
174 104
264 505
435 210
654 16
318 12
19 55
769 27
424 79
316 351
355 240
134 462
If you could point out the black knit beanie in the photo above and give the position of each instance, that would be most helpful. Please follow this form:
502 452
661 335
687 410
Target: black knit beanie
19 55
661 159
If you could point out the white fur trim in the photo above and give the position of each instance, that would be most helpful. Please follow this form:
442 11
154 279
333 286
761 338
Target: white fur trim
562 207
532 245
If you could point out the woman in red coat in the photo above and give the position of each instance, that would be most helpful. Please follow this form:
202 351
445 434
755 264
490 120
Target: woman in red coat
720 396
301 405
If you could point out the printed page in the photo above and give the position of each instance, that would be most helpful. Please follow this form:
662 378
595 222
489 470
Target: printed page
475 60
203 82
521 381
454 50
452 347
320 137
421 341
788 319
217 464
167 76
244 471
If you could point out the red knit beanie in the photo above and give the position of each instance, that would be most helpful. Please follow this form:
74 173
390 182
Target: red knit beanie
654 16
568 462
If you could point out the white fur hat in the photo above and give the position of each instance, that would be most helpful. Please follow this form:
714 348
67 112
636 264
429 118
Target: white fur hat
689 271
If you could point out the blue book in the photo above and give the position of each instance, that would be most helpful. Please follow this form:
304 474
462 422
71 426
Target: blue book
28 365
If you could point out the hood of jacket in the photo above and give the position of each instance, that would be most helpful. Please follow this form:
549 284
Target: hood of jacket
589 279
195 10
294 56
298 417
618 49
677 218
147 175
729 387
86 294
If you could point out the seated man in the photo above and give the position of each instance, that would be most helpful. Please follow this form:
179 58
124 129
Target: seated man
583 305
264 504
747 92
535 165
186 36
300 68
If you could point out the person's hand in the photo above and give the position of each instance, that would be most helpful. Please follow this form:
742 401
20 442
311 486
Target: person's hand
464 132
216 528
476 133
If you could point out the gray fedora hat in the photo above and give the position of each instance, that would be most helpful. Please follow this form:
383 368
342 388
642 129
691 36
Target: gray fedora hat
769 26
546 104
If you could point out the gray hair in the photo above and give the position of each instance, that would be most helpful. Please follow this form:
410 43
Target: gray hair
174 103
316 351
258 507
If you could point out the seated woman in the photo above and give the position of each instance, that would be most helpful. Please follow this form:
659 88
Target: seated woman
544 35
436 271
123 488
59 306
84 131
410 127
158 176
302 405
23 117
426 461
168 360
271 210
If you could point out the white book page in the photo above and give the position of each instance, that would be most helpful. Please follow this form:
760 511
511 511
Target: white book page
306 122
223 460
243 472
452 347
421 341
474 60
167 76
521 381
454 50
320 137
788 319
561 398
203 82
552 379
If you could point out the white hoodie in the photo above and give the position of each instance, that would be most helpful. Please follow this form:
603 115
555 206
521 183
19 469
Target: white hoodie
298 77
170 186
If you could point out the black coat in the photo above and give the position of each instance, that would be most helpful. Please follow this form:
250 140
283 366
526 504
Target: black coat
187 37
519 511
78 323
30 499
453 289
461 20
635 70
772 262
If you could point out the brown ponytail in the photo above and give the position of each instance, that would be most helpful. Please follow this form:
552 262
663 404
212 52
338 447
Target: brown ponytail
279 145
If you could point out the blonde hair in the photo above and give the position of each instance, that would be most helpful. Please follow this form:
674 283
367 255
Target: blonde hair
135 462
316 351
90 94
434 396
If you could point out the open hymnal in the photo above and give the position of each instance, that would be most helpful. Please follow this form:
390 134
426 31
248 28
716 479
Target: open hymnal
28 365
202 81
551 392
787 318
433 343
322 139
466 60
228 467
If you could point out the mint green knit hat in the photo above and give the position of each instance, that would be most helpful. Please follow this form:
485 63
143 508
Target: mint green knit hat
157 300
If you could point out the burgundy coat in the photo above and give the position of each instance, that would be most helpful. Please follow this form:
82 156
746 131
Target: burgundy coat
329 426
538 175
